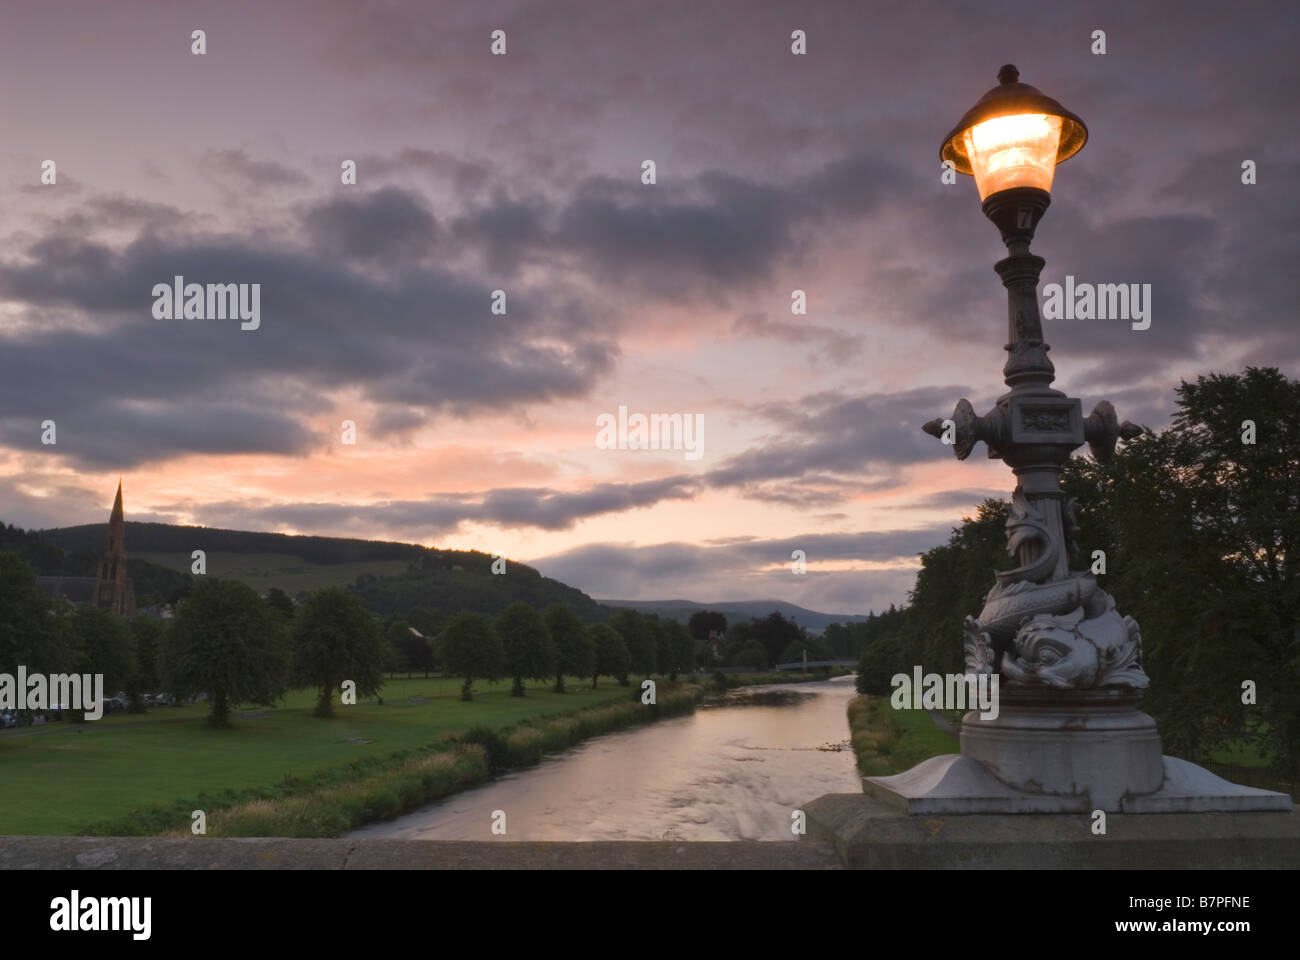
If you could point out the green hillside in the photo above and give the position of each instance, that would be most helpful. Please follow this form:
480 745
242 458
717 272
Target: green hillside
290 573
389 577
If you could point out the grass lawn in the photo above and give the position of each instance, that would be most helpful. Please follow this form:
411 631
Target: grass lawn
60 777
920 740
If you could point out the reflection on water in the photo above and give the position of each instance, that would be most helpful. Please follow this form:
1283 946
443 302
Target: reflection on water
723 773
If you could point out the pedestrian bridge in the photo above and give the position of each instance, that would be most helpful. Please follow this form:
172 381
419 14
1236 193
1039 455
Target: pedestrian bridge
799 664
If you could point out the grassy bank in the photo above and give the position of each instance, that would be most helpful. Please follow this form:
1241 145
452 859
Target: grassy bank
335 804
67 779
888 741
734 680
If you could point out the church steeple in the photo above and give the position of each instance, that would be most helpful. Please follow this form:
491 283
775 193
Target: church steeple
112 589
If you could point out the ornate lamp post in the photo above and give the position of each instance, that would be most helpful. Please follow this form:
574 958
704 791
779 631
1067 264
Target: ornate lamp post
1068 736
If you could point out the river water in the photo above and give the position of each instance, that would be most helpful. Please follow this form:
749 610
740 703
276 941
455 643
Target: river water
726 772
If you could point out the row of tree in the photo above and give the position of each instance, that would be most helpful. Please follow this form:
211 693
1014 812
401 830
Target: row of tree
225 642
232 646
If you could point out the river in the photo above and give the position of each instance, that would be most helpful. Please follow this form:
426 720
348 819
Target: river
725 772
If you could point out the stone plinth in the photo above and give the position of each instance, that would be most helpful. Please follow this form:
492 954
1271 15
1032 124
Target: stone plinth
1084 743
1071 751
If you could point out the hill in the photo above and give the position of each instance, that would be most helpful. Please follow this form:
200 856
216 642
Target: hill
681 610
388 576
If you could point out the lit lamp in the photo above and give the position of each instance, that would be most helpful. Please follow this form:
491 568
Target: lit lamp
1011 142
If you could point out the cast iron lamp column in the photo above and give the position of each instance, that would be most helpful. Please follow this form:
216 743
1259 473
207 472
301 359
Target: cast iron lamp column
1011 141
1069 725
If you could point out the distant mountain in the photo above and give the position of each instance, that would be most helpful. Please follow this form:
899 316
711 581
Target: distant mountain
389 577
681 611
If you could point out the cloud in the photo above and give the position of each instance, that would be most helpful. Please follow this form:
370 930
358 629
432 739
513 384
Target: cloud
950 498
832 446
388 225
465 176
832 345
421 339
237 170
507 507
751 569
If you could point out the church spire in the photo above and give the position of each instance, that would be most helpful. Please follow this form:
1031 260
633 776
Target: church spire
112 589
117 519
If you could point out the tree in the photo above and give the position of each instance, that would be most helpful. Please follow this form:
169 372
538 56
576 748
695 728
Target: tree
529 652
575 654
29 633
280 602
747 653
335 639
704 622
738 633
676 649
663 644
951 585
428 622
472 649
776 633
612 658
1200 530
880 661
101 644
838 640
639 639
227 643
414 652
148 637
431 624
795 651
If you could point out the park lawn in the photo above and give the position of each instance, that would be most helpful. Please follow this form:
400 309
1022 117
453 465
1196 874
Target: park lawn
59 782
920 740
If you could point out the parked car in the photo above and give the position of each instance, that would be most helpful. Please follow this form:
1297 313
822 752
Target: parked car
8 718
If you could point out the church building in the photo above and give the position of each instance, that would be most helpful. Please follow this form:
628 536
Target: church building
110 587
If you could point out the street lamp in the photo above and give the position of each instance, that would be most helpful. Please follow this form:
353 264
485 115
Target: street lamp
1067 736
1071 664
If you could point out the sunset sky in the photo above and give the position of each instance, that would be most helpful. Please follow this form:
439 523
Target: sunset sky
523 173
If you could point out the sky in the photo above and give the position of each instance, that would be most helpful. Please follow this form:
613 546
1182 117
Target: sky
523 173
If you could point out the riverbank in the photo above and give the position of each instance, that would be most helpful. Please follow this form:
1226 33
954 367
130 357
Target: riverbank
734 680
143 774
336 801
888 741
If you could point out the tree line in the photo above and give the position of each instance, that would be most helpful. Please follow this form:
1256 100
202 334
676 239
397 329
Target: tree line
230 645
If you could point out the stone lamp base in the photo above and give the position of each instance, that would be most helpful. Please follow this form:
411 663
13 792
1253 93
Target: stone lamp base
1071 751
